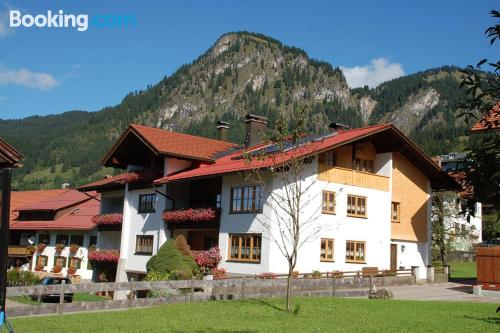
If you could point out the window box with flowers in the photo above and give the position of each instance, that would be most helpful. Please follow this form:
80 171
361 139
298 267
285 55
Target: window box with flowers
40 247
108 219
104 256
59 247
57 269
73 248
190 215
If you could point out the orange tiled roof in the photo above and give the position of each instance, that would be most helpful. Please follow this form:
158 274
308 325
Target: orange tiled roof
179 144
20 199
490 120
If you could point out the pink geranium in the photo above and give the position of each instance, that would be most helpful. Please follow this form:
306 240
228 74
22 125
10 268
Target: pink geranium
208 260
189 215
108 219
104 256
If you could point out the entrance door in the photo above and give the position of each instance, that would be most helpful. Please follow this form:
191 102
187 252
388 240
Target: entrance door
394 257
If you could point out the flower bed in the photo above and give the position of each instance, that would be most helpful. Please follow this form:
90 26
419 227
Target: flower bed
104 256
208 260
108 219
189 215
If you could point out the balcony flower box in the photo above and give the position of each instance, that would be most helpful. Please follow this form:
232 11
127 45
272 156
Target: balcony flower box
189 215
40 247
73 248
108 219
104 256
59 247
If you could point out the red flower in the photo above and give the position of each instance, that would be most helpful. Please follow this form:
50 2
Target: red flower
108 219
104 255
267 275
189 215
208 260
219 273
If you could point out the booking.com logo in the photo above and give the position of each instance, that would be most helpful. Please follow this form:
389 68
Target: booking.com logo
80 22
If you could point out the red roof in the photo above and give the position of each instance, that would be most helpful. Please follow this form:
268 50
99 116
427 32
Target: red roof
235 162
490 120
118 181
175 144
77 213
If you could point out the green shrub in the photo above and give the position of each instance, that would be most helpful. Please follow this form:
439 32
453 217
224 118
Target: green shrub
168 260
21 278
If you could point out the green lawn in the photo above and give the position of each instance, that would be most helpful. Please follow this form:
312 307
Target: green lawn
463 270
312 315
83 297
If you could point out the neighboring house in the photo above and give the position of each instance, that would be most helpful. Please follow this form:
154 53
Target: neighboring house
371 199
466 229
53 217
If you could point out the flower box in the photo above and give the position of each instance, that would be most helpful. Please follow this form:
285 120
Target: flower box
59 247
108 219
39 268
190 215
73 248
71 271
104 256
57 269
40 247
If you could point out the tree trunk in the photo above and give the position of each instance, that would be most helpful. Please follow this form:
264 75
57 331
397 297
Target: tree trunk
289 291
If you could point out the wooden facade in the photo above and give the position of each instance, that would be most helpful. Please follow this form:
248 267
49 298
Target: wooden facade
409 188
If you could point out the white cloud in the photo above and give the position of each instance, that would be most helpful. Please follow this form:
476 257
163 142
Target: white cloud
26 78
379 70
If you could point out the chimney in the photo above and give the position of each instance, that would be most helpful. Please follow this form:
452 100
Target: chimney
256 128
334 127
222 128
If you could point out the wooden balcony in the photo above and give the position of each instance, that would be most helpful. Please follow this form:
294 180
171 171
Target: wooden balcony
20 251
353 177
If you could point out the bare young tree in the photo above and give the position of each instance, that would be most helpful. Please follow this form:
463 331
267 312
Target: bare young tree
288 180
444 232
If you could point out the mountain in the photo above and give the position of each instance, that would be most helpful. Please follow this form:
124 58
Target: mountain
241 73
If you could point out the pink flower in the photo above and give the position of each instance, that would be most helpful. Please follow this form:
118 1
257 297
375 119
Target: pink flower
108 219
190 214
104 255
208 260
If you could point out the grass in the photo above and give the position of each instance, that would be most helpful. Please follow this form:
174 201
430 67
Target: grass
463 270
80 297
311 315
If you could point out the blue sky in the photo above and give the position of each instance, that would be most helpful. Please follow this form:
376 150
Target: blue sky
45 71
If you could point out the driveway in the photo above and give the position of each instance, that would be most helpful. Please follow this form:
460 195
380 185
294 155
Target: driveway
449 291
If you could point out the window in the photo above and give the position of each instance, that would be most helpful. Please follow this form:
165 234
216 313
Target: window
76 239
60 261
144 244
62 239
44 238
93 241
246 199
147 203
356 206
42 260
245 247
355 252
326 253
395 211
363 165
75 263
328 158
328 204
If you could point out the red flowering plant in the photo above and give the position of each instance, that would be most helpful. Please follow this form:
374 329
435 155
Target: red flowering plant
108 219
104 256
40 247
208 260
38 268
267 275
219 273
189 215
57 269
71 271
59 247
73 248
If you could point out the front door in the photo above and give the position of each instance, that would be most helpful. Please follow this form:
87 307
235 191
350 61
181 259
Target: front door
394 257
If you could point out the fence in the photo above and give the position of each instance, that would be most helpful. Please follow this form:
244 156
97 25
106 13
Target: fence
248 287
488 265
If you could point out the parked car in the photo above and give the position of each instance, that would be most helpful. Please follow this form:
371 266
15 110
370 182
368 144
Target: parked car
49 298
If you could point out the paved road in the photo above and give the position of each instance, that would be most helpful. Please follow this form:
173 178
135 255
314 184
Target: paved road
449 291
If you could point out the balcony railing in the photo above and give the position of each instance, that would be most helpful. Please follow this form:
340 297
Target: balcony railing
21 251
353 177
108 219
190 215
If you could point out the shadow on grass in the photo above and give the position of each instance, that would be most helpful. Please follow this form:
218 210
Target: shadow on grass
489 320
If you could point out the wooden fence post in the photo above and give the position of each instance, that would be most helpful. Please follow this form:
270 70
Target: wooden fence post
191 297
131 295
61 298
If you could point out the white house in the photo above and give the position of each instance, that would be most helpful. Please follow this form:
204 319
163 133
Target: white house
368 201
46 224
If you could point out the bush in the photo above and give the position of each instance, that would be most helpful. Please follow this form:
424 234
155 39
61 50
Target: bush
168 260
316 274
160 292
21 278
182 246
